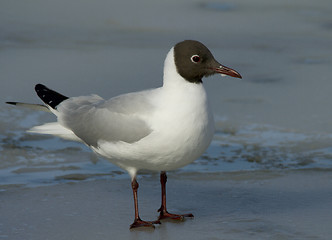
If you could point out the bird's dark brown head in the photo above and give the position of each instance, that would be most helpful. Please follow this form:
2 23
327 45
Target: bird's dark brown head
194 61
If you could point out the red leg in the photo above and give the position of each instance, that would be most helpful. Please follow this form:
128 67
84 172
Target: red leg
138 222
163 210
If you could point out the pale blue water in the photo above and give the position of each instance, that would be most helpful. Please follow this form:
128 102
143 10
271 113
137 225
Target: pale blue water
34 160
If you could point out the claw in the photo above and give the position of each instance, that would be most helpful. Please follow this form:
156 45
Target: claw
167 215
140 223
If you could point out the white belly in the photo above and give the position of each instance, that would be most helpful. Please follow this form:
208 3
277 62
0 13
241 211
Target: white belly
182 130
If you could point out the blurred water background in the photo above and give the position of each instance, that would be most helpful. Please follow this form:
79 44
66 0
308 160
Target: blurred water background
277 117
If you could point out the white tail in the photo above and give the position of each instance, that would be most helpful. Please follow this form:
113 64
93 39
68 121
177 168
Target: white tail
55 129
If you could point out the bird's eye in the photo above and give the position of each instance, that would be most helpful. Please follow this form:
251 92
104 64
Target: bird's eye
195 58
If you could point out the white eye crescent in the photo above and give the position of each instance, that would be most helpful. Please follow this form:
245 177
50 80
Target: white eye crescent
195 58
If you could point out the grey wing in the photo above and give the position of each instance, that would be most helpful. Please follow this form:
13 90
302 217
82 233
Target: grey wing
119 119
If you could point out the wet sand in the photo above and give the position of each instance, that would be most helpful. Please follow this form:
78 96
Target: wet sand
242 205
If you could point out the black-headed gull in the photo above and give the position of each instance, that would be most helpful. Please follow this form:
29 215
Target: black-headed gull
158 129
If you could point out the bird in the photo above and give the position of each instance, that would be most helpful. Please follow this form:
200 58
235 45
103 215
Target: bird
160 129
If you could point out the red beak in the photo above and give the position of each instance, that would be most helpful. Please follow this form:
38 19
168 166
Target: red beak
227 71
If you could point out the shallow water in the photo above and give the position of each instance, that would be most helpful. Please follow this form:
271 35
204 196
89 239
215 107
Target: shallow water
34 160
277 119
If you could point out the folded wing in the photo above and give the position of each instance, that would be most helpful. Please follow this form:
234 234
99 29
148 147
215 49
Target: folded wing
93 119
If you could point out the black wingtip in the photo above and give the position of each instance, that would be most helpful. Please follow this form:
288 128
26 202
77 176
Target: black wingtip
12 103
48 96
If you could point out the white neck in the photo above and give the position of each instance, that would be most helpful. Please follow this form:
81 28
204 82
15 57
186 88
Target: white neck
171 77
178 90
175 83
